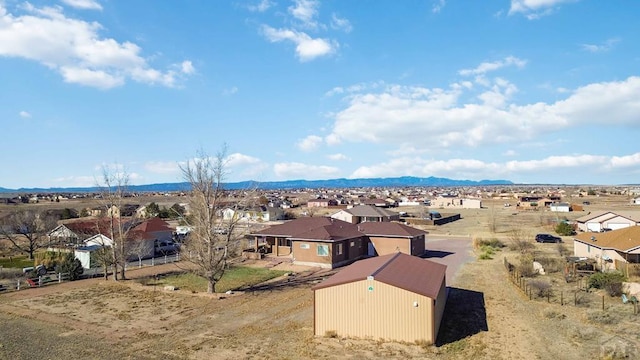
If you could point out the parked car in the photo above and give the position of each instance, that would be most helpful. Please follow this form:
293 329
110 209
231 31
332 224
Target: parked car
547 238
166 247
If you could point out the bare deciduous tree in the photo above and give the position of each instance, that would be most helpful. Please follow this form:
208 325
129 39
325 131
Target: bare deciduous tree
113 190
520 240
208 247
27 230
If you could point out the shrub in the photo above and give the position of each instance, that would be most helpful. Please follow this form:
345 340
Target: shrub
542 288
521 245
525 266
70 266
50 259
614 288
485 256
601 280
494 243
10 273
331 334
564 229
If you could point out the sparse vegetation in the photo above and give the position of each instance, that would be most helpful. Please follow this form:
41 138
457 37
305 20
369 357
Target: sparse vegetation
609 281
564 229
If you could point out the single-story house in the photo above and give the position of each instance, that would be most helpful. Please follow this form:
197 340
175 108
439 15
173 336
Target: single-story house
314 241
391 237
608 247
258 213
464 203
394 297
366 213
560 207
323 203
597 221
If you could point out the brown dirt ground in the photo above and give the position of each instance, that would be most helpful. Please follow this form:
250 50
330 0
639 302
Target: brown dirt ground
487 317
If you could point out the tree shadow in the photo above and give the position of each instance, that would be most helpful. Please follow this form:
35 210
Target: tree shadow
436 254
464 315
289 281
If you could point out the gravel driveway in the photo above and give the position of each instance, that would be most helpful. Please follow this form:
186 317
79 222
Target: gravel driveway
451 251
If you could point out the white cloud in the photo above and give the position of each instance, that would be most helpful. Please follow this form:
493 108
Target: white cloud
338 157
83 4
237 159
187 67
604 47
75 49
339 23
262 6
162 167
438 5
307 48
510 153
534 9
406 116
309 143
243 166
305 11
75 181
493 66
294 170
230 91
25 114
473 169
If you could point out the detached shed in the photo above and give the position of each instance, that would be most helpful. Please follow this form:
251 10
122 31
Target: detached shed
395 297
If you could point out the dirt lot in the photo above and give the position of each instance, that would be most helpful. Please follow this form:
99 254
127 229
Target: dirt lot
487 316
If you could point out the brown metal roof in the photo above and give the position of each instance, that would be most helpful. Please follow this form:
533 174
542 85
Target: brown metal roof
392 229
370 211
336 231
298 226
404 271
625 239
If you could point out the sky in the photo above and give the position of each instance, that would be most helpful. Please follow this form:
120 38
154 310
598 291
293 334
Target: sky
531 91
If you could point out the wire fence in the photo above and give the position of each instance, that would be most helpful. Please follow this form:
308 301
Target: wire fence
580 296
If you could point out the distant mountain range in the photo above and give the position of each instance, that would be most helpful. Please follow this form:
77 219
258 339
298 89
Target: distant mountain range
404 181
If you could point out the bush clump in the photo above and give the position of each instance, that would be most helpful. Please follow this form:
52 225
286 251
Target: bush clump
609 281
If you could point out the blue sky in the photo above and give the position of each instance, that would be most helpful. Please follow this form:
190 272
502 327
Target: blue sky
532 91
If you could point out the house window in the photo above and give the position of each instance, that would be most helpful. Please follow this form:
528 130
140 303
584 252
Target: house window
588 248
323 250
353 243
340 249
304 246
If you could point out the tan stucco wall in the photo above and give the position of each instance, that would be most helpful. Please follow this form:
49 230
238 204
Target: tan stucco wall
310 256
382 312
389 245
592 252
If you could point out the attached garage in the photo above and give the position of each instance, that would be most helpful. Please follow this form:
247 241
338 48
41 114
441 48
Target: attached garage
395 297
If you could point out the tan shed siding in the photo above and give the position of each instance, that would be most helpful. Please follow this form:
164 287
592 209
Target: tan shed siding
441 303
385 245
387 312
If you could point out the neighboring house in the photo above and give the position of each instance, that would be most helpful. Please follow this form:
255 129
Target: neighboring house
366 213
376 202
324 203
258 213
560 207
608 247
90 245
636 201
392 237
463 203
75 232
597 221
393 297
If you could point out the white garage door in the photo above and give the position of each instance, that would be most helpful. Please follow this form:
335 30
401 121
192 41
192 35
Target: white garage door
593 226
616 226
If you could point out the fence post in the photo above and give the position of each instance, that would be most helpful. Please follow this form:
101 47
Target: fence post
18 287
165 258
575 298
561 298
549 296
602 302
40 281
59 278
